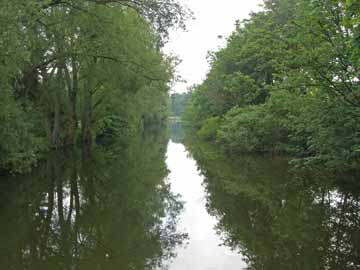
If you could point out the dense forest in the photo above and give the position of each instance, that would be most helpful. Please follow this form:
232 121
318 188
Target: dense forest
287 81
74 73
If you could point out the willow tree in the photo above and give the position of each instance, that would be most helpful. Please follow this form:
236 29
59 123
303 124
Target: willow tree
65 60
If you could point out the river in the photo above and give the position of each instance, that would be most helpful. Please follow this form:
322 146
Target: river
160 203
205 249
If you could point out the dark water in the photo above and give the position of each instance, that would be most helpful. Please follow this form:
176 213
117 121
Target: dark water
158 204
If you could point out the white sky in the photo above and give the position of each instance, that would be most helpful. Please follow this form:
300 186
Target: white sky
212 18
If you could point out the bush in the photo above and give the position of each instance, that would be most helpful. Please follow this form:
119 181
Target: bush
209 129
19 146
263 128
333 133
243 129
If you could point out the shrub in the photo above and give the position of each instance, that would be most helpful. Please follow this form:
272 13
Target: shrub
209 129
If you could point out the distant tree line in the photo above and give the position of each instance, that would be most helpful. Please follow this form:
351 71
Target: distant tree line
178 103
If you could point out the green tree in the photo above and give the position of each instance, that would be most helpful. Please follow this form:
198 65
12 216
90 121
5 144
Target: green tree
70 66
287 81
178 103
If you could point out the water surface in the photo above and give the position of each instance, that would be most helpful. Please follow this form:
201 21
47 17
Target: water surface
180 204
205 249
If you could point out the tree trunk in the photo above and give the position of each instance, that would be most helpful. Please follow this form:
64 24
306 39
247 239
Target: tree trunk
56 139
56 128
87 112
72 85
87 121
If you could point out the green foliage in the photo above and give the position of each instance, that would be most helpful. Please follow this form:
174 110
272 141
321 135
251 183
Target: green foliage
178 103
199 108
209 128
287 81
245 130
87 69
333 131
19 145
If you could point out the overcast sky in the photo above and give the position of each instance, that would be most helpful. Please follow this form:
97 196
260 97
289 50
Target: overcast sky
212 18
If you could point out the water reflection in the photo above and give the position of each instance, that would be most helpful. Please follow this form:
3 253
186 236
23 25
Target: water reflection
279 220
177 132
114 212
204 250
120 211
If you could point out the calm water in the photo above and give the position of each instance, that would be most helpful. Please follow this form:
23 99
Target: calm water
205 249
160 204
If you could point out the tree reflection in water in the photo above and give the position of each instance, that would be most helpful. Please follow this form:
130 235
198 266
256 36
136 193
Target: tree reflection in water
113 212
281 220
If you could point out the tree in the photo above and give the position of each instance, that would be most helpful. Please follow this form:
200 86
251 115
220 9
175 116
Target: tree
67 59
287 81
